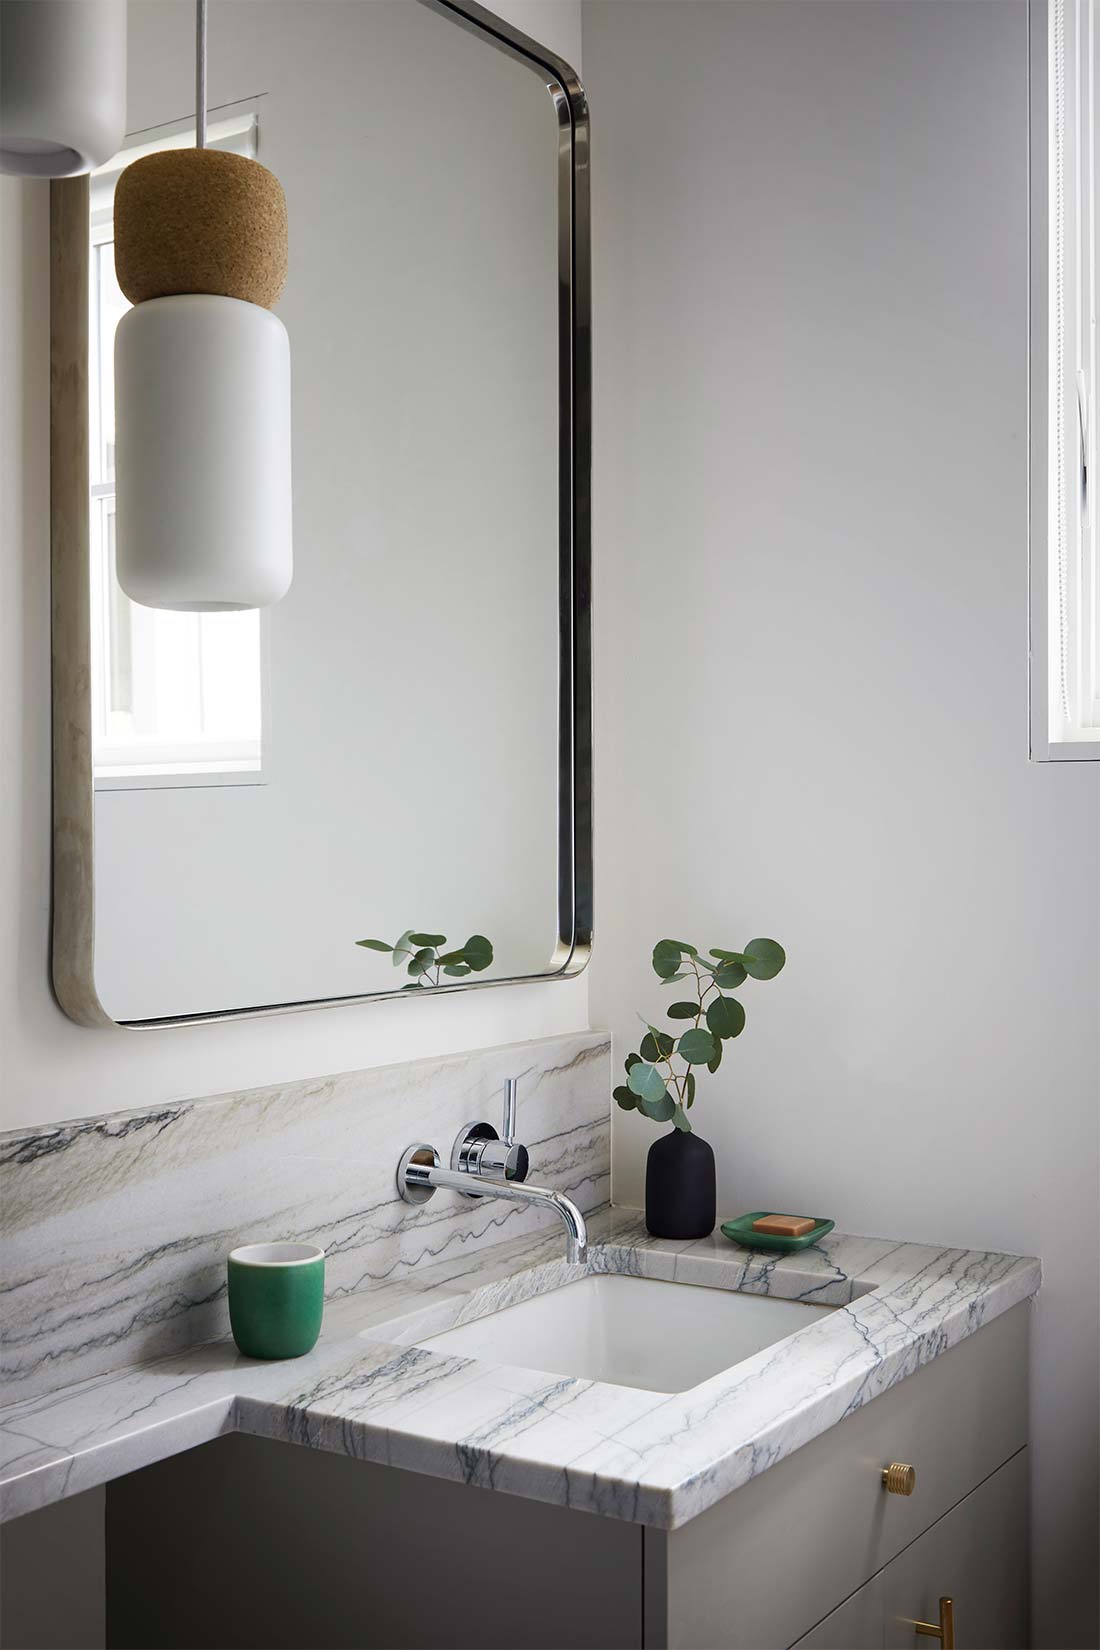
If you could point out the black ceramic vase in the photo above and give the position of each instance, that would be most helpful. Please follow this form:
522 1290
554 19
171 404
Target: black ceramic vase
679 1187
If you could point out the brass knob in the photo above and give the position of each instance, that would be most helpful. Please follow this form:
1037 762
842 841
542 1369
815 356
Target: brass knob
899 1479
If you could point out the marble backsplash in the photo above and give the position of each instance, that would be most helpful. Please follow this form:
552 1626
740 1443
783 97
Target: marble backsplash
115 1229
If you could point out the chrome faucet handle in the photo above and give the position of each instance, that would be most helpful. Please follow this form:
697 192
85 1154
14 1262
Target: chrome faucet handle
508 1131
483 1154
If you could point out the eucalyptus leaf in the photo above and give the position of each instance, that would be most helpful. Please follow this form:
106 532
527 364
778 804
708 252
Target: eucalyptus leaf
416 985
457 970
712 1065
683 1011
670 979
725 956
632 1060
729 976
375 945
680 1118
458 956
666 958
659 1110
726 1017
428 939
422 961
689 1086
763 959
479 952
628 1101
682 945
657 1045
402 948
646 1082
697 1046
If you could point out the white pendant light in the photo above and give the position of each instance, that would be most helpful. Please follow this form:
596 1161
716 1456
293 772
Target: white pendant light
62 85
202 379
202 454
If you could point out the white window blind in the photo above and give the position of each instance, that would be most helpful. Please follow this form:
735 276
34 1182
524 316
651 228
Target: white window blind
1066 695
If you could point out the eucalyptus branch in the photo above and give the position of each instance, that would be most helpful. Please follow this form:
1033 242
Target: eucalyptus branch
646 1088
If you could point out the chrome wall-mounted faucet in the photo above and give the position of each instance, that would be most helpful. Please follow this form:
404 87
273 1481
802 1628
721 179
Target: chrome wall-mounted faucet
487 1164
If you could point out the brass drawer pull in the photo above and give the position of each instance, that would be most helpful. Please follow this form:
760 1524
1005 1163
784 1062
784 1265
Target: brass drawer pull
899 1479
945 1632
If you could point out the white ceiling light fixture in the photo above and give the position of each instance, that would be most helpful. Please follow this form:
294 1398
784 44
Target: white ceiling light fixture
62 85
202 378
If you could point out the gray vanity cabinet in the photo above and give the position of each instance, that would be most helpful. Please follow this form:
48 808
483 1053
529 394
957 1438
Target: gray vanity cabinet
251 1542
759 1569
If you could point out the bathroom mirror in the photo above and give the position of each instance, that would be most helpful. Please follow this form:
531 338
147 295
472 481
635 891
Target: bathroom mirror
402 743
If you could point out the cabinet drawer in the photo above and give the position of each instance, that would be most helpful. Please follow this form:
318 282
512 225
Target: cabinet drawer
976 1555
761 1567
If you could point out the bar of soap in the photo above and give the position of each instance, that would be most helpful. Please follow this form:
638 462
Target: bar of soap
784 1225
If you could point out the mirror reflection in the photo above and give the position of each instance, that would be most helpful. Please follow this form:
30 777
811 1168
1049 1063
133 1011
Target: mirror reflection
376 756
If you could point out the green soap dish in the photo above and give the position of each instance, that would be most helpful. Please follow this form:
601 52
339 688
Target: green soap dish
740 1231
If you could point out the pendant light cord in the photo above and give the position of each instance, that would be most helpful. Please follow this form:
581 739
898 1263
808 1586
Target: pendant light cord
200 74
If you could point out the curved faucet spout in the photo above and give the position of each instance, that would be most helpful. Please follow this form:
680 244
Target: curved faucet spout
518 1191
487 1164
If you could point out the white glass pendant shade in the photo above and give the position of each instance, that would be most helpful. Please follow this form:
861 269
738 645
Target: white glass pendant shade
202 454
62 85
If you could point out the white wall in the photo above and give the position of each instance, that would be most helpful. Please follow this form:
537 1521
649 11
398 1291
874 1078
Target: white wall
50 1068
811 518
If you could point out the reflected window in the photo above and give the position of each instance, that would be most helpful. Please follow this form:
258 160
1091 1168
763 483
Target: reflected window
177 698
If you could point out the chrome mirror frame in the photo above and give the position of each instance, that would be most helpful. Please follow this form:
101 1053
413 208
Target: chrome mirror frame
72 958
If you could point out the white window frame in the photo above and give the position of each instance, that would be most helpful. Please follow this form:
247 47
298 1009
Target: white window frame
234 129
1064 480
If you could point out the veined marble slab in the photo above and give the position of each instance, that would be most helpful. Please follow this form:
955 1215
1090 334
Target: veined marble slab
114 1230
647 1457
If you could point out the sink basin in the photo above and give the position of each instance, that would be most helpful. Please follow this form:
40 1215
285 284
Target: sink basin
629 1331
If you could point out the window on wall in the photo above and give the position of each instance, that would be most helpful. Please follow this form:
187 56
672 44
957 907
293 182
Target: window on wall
177 698
1066 482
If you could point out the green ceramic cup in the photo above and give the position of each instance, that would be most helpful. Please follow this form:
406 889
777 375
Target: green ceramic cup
276 1298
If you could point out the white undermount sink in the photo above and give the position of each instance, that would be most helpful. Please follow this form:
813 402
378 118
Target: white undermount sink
629 1331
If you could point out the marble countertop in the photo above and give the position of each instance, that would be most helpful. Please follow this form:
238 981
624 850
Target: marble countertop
649 1457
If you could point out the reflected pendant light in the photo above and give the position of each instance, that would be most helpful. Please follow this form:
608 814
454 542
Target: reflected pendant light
62 85
202 378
